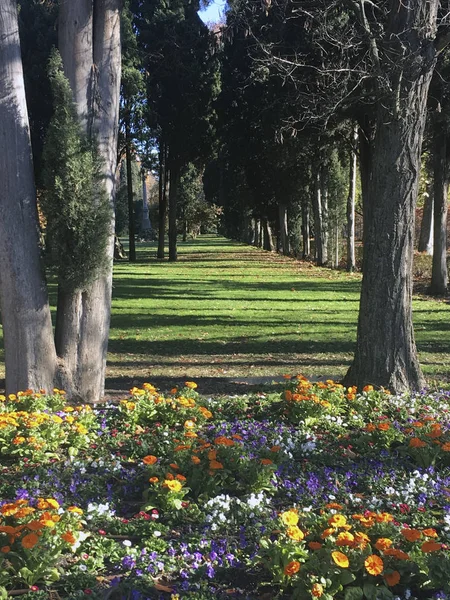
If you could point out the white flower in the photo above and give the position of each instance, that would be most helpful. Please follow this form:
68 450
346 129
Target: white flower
127 543
157 533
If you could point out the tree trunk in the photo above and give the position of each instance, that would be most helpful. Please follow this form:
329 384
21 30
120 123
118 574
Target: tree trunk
351 262
426 227
91 57
30 357
162 188
306 242
131 220
173 201
320 217
441 165
257 240
267 234
385 348
284 234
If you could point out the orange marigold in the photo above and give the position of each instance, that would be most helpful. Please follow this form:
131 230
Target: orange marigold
295 533
416 442
292 568
30 540
392 578
337 521
315 545
374 564
412 535
317 590
149 460
383 543
430 546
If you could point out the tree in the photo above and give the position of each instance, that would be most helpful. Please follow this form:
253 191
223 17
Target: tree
372 61
91 55
30 357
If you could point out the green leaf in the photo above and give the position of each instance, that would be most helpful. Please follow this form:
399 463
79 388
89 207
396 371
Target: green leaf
347 577
353 593
370 591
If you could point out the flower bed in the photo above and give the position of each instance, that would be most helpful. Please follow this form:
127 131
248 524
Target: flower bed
317 492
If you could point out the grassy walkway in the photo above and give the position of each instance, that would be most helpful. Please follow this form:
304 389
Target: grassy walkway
230 310
226 309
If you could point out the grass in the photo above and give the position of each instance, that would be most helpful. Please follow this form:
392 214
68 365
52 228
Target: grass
227 309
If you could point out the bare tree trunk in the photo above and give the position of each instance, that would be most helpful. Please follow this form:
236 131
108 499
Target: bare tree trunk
162 186
426 227
131 227
173 201
441 163
284 234
257 241
30 357
320 217
267 234
305 229
91 60
385 349
351 262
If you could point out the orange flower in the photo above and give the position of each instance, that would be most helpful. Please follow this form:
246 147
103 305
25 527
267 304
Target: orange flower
275 448
205 412
174 466
374 564
392 578
368 388
288 395
215 465
189 424
5 549
383 543
30 540
333 505
173 391
361 539
398 554
412 535
69 537
416 442
295 533
292 568
266 461
327 532
317 590
340 559
195 460
384 426
223 441
212 455
149 460
430 532
430 546
180 477
153 480
191 385
75 509
315 545
370 427
446 447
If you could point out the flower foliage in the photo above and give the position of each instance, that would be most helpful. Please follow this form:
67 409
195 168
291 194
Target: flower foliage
314 492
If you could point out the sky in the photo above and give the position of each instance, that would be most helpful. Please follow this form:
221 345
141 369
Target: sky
214 11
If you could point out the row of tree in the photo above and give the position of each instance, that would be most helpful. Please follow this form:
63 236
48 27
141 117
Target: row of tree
273 107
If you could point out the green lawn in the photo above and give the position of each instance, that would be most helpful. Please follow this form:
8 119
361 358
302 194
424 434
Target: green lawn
226 309
229 309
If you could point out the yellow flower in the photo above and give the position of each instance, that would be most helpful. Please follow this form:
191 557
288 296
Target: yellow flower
317 590
295 533
191 385
52 503
345 538
337 521
75 509
340 559
289 517
173 485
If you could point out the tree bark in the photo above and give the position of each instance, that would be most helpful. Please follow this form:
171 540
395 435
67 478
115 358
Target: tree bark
131 220
320 218
284 234
30 357
162 187
385 348
351 262
427 227
441 167
267 236
89 37
173 201
306 242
